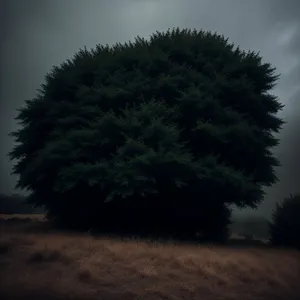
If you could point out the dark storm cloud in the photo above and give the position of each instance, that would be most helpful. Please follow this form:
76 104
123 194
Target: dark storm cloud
38 34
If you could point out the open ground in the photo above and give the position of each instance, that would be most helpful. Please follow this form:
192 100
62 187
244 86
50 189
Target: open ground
37 262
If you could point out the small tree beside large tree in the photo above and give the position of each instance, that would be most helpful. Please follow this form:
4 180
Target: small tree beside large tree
285 224
153 135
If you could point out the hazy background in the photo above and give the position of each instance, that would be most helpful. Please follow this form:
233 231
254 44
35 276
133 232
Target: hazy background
37 34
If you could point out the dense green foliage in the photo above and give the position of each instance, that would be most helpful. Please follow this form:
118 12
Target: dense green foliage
164 133
285 225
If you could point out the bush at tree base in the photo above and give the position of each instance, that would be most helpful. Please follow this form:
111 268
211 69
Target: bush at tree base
161 134
285 225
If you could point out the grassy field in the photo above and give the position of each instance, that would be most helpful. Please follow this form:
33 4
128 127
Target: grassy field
37 262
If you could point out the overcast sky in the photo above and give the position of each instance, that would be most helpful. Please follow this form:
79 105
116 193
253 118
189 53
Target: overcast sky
37 34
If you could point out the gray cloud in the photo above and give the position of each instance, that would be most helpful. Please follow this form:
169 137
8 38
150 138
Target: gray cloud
39 34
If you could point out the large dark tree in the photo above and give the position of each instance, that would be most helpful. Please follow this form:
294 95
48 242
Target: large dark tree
285 225
169 131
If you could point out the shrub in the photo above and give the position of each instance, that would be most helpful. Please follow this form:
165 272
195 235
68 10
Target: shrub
285 225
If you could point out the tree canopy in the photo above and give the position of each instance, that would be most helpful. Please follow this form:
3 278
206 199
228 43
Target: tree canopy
178 125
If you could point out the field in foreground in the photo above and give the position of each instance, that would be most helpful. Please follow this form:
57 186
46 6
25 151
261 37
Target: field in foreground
39 263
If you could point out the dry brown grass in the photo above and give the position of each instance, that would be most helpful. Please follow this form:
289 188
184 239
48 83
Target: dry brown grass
58 265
